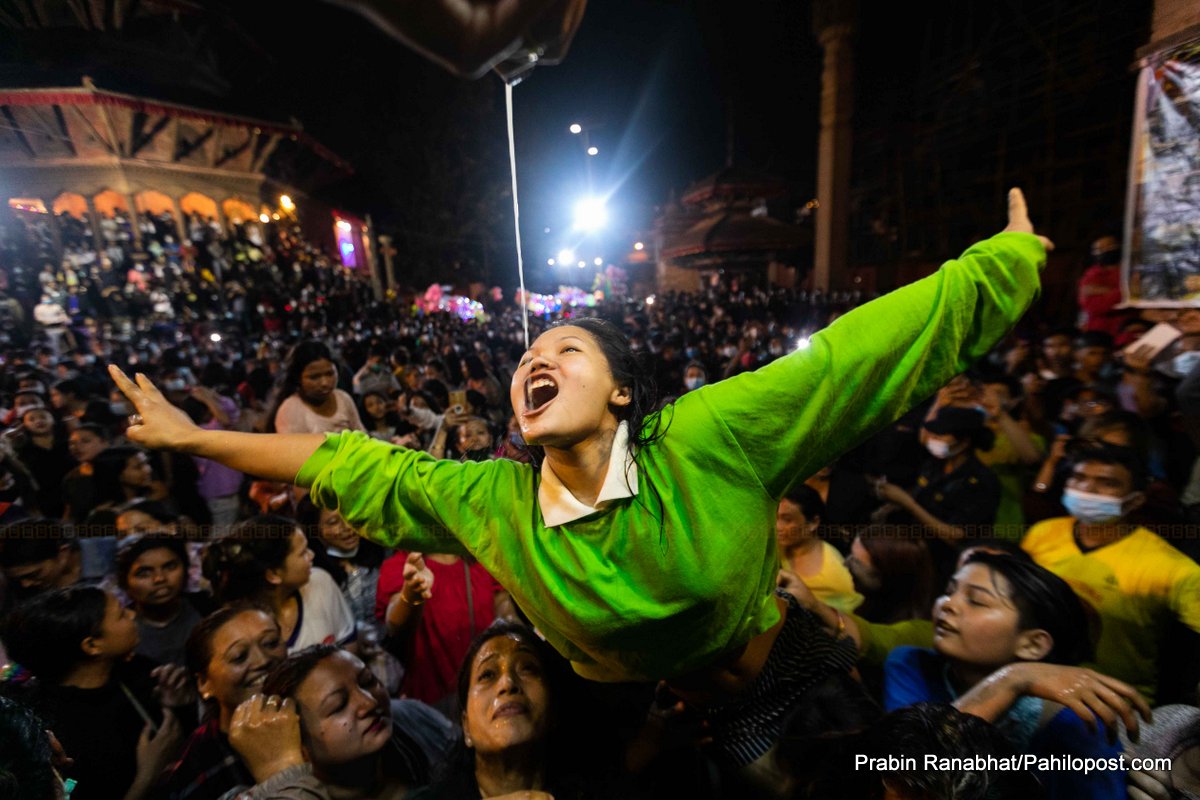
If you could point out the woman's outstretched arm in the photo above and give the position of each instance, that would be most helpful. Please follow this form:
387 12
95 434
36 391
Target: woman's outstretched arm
273 456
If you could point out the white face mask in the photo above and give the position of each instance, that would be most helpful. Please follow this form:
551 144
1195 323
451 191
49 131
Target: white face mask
693 383
942 450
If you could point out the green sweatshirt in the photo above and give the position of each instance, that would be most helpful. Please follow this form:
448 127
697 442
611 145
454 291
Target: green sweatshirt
663 583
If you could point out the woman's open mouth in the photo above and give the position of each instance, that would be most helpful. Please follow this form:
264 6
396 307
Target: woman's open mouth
540 390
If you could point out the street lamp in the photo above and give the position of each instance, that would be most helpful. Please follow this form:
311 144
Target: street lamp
590 214
551 261
639 246
598 261
576 128
566 256
593 151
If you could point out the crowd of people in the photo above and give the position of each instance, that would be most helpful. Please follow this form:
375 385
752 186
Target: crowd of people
1008 569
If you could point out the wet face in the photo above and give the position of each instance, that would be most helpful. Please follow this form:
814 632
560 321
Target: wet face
156 578
563 391
336 532
375 406
507 703
137 473
85 445
297 566
243 651
317 381
791 526
344 710
977 624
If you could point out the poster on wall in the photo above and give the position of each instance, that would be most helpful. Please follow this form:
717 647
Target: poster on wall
1161 267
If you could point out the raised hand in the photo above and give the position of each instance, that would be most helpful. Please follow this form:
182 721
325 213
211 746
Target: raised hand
265 731
418 580
175 687
1018 217
157 424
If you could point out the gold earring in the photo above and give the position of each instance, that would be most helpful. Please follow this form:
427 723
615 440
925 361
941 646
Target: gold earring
467 741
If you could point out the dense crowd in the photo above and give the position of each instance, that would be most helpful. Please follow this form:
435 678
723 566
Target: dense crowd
1035 515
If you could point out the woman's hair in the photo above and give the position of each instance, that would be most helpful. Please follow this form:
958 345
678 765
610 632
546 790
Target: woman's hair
287 676
369 554
906 575
44 633
408 761
133 547
627 370
106 476
26 756
1043 600
236 565
808 499
390 417
198 651
155 509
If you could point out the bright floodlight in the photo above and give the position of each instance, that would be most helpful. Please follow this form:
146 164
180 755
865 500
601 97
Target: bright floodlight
576 128
598 261
286 203
216 337
551 261
582 264
566 256
593 151
650 300
590 214
639 246
264 218
802 343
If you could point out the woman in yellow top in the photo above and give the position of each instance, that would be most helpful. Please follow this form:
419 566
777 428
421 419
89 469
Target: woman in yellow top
812 559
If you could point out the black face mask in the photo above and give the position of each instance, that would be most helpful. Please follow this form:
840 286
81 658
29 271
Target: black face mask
1108 259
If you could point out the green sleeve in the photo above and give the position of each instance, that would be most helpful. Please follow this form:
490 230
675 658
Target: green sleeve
878 640
406 498
797 414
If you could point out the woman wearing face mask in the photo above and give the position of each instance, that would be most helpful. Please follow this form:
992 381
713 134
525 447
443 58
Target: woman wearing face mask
609 547
229 654
694 376
323 729
312 403
999 630
956 496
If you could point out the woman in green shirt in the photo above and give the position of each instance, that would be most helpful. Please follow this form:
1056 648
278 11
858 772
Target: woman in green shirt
642 549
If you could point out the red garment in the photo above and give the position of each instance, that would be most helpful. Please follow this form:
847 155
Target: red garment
1098 308
445 629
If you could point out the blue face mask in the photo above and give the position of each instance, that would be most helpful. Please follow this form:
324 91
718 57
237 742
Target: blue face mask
1184 363
1094 509
693 383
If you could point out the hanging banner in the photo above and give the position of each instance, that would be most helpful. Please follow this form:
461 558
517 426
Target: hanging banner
1161 266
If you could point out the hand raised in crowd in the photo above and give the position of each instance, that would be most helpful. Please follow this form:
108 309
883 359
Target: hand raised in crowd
157 424
175 687
1018 218
418 580
265 731
1058 450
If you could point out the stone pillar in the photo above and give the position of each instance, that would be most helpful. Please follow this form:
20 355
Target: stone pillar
834 23
385 249
55 229
97 235
135 222
372 244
